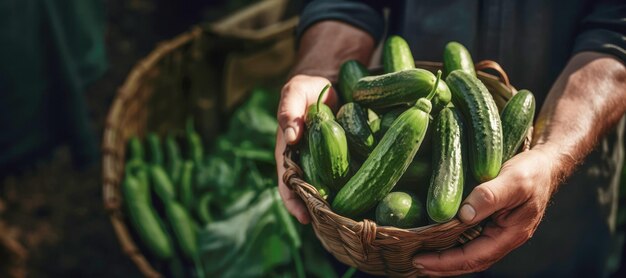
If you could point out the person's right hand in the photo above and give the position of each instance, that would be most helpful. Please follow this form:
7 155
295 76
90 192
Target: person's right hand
296 96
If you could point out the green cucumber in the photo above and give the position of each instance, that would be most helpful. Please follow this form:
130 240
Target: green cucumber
144 219
349 73
484 128
388 162
184 229
328 145
163 186
311 175
400 209
393 89
517 118
443 97
389 117
456 57
155 154
446 183
353 118
135 149
173 159
397 55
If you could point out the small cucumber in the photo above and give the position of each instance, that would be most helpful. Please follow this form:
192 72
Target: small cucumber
446 183
154 146
135 149
484 128
393 89
163 186
328 144
397 55
349 73
194 143
353 118
184 229
389 117
144 219
389 160
456 57
311 175
173 159
400 209
517 118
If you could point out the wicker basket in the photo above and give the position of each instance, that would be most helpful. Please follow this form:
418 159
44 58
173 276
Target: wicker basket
192 74
383 250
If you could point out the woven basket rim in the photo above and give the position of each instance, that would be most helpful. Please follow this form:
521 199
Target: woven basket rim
321 211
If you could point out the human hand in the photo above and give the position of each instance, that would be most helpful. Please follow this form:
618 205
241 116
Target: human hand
516 200
296 96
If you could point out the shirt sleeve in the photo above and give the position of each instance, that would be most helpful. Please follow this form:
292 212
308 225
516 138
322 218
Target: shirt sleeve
604 30
365 15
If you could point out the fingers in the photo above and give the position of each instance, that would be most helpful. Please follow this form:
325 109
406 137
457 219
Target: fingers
292 202
477 255
488 198
300 92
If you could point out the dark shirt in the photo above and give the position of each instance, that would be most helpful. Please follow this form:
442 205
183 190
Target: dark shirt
532 40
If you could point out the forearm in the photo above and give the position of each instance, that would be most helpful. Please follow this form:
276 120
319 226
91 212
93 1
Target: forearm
327 44
587 100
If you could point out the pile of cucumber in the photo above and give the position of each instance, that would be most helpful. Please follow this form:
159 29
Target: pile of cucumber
411 131
162 169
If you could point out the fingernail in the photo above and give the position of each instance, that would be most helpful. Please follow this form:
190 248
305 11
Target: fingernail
467 213
418 266
290 135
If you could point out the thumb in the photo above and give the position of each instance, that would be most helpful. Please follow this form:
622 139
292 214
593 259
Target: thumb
485 200
291 112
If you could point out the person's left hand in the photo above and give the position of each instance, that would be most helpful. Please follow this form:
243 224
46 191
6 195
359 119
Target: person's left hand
516 200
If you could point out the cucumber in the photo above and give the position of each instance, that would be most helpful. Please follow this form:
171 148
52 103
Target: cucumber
443 97
349 73
393 89
144 219
389 117
163 187
373 121
311 175
446 183
194 143
184 229
353 119
328 145
155 155
484 128
389 160
517 118
173 159
135 149
456 57
375 128
400 209
397 55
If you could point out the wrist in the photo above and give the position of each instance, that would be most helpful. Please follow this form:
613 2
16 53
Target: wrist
559 164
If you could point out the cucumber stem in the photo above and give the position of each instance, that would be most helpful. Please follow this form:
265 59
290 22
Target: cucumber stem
432 92
319 99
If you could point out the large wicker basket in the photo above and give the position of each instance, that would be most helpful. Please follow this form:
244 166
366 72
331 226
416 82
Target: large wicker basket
199 74
382 250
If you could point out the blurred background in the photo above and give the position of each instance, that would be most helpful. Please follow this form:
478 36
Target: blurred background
52 221
69 59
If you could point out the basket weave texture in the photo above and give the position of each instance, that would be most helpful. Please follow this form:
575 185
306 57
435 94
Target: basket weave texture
384 250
